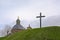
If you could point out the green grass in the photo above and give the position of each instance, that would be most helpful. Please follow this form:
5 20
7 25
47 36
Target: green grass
46 33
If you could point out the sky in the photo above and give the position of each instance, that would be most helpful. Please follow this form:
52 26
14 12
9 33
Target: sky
27 9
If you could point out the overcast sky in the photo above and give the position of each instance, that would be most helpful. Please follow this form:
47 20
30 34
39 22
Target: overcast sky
27 9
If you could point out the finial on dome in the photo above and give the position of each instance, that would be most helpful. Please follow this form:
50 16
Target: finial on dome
18 17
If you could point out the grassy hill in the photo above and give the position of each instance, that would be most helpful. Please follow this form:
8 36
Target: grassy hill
47 33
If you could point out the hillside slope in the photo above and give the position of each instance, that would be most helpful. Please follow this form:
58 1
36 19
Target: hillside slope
47 33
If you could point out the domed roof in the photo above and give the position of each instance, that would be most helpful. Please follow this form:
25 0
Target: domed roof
18 25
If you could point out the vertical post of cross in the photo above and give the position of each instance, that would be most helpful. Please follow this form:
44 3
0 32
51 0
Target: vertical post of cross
40 18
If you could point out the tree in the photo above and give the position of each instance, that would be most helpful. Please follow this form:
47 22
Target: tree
7 29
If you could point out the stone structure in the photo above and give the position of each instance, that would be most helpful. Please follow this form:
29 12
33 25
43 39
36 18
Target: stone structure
17 27
29 27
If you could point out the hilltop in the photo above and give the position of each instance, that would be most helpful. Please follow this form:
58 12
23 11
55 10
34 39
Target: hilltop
46 33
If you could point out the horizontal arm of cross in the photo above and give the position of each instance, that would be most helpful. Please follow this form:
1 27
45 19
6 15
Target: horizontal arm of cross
39 16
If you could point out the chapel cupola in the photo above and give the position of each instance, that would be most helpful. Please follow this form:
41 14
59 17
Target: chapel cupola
17 27
18 21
